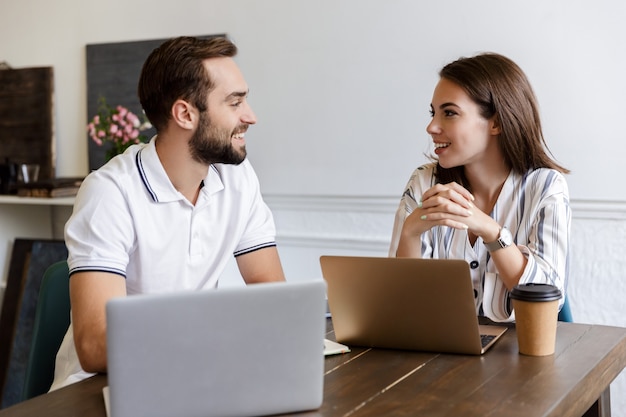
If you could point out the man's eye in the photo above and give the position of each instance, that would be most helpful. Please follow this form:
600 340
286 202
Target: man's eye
236 104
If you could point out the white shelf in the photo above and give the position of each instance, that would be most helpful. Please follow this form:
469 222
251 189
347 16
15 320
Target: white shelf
37 201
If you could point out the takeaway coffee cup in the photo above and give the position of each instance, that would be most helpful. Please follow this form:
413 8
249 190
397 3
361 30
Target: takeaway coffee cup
536 312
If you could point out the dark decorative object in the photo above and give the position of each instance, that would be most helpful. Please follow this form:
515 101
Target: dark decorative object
113 71
26 122
29 260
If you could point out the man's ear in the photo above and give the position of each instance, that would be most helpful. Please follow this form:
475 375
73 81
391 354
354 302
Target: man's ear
184 114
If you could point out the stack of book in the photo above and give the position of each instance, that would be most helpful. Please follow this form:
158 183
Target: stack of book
54 187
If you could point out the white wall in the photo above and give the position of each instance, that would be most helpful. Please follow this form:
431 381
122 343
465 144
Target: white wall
341 89
347 83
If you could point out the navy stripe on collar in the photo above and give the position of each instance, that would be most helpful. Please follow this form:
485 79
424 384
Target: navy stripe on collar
142 174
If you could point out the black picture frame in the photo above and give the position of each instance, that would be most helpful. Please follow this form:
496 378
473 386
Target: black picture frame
29 260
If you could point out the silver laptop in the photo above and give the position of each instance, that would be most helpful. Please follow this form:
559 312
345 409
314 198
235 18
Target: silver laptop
239 351
403 303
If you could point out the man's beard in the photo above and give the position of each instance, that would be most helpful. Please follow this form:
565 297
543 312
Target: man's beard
210 144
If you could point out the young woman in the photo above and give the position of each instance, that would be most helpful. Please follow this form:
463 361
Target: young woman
493 196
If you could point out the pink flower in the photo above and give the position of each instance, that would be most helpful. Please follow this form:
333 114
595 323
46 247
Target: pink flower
133 120
117 126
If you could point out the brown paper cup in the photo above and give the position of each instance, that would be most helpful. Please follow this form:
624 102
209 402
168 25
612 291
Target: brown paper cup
535 323
536 313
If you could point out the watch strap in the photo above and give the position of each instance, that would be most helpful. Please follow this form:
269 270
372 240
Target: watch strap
504 240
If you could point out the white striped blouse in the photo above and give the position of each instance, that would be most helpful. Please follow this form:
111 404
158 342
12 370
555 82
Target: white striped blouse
534 207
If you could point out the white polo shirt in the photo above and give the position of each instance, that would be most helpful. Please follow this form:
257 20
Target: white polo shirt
129 219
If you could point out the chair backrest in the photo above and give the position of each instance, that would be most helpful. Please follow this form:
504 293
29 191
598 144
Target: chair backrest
566 312
51 322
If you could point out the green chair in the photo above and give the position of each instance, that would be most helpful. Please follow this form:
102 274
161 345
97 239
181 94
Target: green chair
566 313
52 319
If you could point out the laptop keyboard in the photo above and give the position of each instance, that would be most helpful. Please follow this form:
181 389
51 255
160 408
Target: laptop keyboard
485 339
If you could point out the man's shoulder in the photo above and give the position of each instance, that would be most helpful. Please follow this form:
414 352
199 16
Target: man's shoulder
114 171
119 176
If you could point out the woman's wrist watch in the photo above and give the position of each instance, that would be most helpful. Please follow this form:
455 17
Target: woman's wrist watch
504 240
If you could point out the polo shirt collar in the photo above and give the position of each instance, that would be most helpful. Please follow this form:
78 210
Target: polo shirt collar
158 184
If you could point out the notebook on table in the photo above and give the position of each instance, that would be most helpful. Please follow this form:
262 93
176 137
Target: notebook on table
405 303
238 351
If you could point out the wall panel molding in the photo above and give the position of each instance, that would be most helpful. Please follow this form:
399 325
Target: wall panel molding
366 222
601 209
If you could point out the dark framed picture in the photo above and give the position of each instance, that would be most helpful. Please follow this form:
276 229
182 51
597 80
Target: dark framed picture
26 123
29 260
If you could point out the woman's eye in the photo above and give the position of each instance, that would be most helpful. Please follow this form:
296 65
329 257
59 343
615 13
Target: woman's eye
431 112
449 113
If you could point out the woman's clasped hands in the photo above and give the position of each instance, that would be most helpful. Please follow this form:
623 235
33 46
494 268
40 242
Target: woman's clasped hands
446 205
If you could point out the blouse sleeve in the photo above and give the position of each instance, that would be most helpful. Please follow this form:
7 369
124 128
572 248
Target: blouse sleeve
542 233
548 239
421 179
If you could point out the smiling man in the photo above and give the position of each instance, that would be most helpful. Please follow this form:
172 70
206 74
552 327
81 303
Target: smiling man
168 215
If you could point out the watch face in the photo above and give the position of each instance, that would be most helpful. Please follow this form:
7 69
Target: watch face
505 237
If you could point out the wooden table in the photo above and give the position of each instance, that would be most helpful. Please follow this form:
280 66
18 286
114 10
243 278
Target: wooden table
377 382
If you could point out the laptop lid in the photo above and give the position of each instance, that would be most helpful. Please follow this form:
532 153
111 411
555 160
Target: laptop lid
404 303
238 351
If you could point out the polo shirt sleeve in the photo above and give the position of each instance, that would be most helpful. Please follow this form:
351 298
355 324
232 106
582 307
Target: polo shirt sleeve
260 230
99 234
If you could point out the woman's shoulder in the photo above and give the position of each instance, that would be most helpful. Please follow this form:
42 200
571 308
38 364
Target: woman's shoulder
544 175
424 172
545 180
422 178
